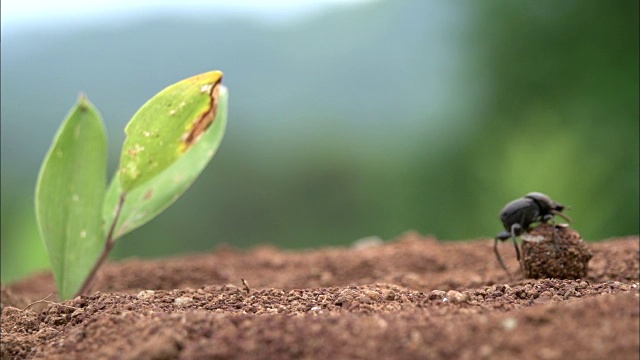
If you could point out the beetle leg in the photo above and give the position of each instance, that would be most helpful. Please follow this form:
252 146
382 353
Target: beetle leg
550 217
562 215
515 230
495 249
503 235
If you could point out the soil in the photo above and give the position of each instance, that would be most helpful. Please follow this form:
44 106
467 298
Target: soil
409 298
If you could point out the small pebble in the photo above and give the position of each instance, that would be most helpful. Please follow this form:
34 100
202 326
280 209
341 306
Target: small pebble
145 294
509 323
182 300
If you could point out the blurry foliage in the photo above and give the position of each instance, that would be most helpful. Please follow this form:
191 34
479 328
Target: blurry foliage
333 133
563 112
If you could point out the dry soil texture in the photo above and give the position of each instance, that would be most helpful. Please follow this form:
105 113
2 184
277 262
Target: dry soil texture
410 298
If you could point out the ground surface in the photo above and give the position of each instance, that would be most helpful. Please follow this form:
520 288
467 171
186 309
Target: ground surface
410 298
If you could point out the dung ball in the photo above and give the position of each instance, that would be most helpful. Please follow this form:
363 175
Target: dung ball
554 251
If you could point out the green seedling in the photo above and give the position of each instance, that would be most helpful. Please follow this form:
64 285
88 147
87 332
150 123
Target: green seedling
169 141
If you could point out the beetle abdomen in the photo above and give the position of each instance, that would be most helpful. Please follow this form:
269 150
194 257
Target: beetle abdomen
522 211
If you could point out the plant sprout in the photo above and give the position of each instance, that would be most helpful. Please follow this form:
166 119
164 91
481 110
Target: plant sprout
169 141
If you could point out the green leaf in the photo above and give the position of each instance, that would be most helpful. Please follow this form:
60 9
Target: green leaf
69 195
149 199
166 127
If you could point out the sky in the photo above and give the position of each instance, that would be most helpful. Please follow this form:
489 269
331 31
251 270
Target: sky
18 14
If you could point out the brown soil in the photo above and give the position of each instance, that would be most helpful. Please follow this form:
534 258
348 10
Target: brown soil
412 298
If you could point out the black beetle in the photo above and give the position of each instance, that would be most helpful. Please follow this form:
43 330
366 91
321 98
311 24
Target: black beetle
518 215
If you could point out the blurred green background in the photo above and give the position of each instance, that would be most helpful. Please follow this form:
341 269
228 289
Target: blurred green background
347 121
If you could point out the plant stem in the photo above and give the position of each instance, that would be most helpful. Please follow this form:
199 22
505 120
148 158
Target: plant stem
105 252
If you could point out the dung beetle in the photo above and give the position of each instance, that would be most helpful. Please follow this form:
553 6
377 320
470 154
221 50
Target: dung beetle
518 215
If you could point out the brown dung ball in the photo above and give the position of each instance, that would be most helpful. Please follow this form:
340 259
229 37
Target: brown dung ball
550 251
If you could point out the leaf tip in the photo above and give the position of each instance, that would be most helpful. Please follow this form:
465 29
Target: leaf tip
83 102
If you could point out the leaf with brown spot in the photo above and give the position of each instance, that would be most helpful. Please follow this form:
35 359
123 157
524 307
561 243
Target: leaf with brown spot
167 126
151 197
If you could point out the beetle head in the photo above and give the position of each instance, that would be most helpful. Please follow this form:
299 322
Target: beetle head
548 206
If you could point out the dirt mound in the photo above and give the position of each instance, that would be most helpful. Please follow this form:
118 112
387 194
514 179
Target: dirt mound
410 298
